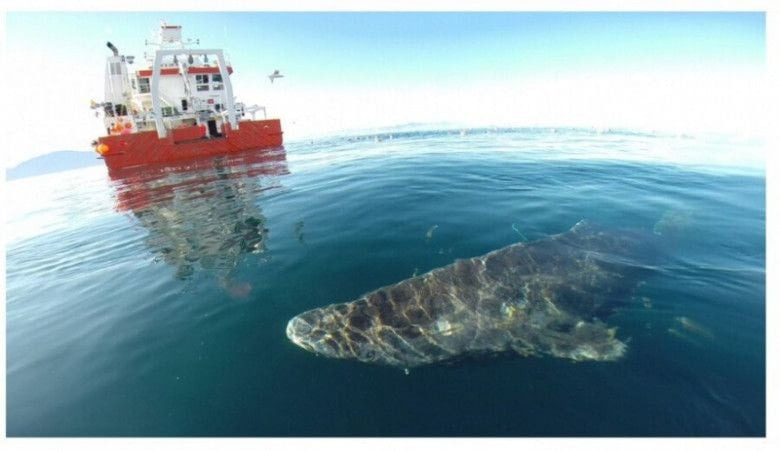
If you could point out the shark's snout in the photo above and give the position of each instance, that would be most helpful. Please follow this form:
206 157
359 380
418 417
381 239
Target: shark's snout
324 331
298 331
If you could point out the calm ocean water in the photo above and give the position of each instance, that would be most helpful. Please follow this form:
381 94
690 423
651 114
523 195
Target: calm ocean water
155 303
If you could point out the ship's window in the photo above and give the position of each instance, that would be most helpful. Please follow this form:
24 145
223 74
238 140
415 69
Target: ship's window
202 82
217 78
167 111
143 85
217 86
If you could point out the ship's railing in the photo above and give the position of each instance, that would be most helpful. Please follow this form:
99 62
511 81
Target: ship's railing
254 109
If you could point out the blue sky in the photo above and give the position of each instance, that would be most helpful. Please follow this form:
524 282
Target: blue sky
376 57
325 48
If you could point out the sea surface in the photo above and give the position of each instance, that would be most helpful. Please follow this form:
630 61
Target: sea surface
154 302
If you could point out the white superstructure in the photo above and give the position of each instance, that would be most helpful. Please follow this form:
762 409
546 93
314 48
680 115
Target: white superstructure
181 86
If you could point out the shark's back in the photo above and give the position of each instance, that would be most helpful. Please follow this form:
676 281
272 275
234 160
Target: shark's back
537 297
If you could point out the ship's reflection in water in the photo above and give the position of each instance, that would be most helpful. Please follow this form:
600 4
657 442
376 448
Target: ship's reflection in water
203 215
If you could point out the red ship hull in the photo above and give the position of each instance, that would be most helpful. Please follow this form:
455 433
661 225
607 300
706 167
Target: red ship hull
145 148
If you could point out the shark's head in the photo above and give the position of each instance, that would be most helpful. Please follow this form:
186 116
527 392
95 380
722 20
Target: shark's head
337 331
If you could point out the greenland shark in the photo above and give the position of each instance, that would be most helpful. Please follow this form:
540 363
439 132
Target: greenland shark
538 298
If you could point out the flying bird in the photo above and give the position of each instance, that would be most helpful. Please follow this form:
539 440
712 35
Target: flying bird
275 75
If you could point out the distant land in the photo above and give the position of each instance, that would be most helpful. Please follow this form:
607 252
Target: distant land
52 162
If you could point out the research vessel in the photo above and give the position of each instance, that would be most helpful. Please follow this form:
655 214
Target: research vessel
179 107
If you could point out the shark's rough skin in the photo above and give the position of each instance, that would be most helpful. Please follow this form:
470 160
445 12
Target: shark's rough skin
533 298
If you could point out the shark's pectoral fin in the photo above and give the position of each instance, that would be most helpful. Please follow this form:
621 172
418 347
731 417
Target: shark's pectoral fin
588 341
524 349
